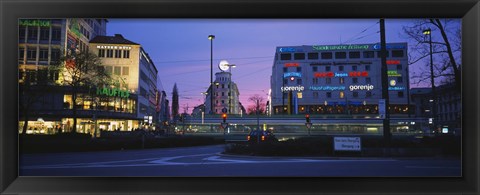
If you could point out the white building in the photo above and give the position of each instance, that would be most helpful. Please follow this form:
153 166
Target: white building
225 95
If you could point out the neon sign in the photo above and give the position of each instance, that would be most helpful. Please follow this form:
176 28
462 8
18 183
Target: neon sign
291 65
292 88
42 23
396 88
361 87
323 74
339 47
113 92
358 74
341 74
287 49
393 62
292 74
393 73
327 88
389 46
112 47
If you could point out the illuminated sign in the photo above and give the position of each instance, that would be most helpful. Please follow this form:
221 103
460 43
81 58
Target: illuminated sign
291 65
112 47
360 87
339 47
292 74
42 23
292 88
393 83
287 49
393 62
323 74
393 73
341 74
327 88
358 74
113 92
396 88
389 46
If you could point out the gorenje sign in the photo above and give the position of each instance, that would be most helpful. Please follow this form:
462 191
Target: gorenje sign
292 88
113 92
360 87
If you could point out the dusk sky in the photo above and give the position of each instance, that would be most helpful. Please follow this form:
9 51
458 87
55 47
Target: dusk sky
181 50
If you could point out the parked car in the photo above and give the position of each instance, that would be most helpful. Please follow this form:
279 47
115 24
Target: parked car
265 136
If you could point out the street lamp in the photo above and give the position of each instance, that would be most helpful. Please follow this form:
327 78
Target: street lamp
211 37
230 88
429 33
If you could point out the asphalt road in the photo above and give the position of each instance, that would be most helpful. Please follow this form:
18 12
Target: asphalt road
207 161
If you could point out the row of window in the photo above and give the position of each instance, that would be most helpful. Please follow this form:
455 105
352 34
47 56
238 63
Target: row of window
117 70
329 68
31 54
223 94
108 53
223 101
32 33
339 55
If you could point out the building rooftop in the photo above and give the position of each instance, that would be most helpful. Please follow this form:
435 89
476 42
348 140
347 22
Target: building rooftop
117 39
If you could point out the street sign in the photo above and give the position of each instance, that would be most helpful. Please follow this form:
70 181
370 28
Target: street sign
347 144
309 125
224 110
381 108
224 125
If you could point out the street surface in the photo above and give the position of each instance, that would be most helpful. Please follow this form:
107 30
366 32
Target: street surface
207 161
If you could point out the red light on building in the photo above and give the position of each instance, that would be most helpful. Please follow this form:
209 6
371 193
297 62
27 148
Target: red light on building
292 64
323 74
393 62
358 74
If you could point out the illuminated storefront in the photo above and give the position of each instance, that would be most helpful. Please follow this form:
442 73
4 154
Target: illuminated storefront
337 79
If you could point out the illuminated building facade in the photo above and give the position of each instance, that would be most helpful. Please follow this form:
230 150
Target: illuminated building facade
337 79
225 95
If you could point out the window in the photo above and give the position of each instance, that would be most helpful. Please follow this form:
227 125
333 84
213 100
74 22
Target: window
340 68
32 33
109 53
379 56
21 53
328 80
354 54
315 94
285 69
342 94
21 32
299 81
56 33
368 94
329 94
400 80
285 56
117 53
354 80
108 69
55 55
355 94
299 56
101 53
31 53
312 56
341 80
397 53
223 86
354 68
315 80
340 55
368 80
400 94
399 67
125 71
327 55
116 70
223 101
43 54
126 54
327 68
368 54
223 93
367 67
314 69
44 33
299 69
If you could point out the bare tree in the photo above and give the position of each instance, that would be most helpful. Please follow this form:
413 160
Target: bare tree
252 109
81 70
446 44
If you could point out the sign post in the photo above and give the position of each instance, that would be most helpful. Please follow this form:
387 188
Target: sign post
381 108
347 144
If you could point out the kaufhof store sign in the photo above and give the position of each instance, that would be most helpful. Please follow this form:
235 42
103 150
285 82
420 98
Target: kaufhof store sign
113 92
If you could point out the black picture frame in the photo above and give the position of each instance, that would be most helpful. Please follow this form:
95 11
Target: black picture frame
468 10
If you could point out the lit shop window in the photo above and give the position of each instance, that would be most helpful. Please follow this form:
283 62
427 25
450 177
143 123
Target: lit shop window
342 94
67 102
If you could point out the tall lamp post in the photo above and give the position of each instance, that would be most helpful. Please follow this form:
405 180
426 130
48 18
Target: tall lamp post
434 113
211 37
230 97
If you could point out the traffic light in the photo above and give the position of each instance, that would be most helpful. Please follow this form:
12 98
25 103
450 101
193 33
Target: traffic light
307 118
224 116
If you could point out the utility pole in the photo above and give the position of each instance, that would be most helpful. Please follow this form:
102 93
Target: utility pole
383 53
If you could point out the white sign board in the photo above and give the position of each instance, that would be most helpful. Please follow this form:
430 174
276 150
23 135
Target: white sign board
347 144
381 108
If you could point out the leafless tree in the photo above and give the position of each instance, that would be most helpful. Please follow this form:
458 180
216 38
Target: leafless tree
252 109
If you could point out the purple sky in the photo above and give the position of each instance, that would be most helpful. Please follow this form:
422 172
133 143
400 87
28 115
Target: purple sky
181 50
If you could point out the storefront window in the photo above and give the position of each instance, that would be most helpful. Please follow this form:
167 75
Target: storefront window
67 102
